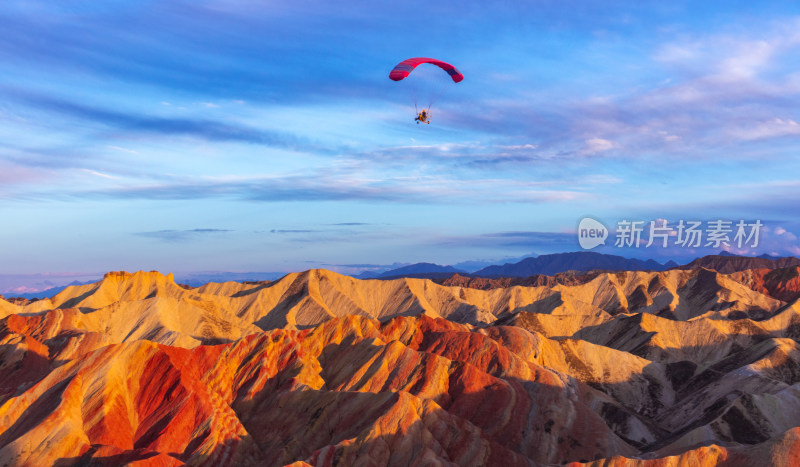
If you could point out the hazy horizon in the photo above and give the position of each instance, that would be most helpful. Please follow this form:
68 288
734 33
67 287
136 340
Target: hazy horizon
34 284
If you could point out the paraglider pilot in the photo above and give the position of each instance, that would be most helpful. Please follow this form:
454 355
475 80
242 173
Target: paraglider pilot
424 117
402 70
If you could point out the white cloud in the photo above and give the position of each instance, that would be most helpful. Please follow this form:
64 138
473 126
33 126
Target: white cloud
785 234
99 174
594 179
717 89
594 145
117 148
774 128
676 53
748 59
731 57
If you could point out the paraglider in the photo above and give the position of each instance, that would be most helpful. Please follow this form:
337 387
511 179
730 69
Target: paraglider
424 117
404 68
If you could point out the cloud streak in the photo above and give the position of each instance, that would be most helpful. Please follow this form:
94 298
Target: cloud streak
328 185
180 235
546 242
209 130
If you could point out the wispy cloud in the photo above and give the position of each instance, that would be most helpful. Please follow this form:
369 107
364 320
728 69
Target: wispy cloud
210 130
11 174
293 231
349 224
100 174
129 151
774 128
710 90
543 242
180 235
327 185
453 153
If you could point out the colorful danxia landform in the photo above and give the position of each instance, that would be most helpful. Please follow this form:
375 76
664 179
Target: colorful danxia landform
679 367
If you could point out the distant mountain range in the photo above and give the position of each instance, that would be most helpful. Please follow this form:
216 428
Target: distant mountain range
576 261
543 265
531 266
585 261
413 270
48 292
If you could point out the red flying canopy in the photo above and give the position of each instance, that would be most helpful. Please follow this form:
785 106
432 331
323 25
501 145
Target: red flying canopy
405 67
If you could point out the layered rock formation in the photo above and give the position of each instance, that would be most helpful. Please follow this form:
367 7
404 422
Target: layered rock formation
732 263
636 368
783 284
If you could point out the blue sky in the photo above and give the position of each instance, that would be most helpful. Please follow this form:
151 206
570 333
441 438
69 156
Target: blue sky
266 136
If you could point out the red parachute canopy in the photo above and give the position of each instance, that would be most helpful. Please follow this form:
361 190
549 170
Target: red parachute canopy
405 67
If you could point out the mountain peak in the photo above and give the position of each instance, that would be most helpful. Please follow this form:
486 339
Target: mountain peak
138 275
420 269
729 263
573 261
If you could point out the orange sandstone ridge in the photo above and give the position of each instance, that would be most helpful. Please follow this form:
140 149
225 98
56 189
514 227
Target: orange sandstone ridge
682 367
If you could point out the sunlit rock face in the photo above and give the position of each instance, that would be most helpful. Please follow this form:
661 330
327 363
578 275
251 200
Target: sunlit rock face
682 367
